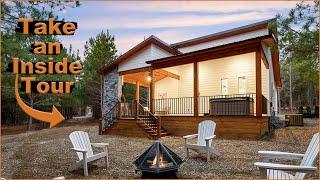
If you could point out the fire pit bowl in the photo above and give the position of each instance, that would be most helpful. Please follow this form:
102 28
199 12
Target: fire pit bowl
158 159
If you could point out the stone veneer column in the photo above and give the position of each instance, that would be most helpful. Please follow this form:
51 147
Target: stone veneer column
110 94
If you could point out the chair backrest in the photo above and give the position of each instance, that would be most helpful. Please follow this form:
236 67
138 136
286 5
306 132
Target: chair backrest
205 129
80 140
311 155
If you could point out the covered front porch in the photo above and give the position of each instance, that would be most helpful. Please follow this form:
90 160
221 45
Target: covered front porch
218 87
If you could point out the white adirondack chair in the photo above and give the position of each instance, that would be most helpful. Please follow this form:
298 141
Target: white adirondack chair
205 136
280 171
83 147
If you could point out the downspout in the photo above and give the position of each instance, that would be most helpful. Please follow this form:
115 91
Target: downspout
101 105
278 99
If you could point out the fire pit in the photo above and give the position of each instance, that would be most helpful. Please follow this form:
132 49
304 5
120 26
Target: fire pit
158 159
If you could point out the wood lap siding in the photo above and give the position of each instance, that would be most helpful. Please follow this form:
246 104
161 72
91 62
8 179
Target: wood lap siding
265 81
157 53
176 88
211 73
228 40
148 53
167 85
137 61
186 81
246 127
173 88
163 85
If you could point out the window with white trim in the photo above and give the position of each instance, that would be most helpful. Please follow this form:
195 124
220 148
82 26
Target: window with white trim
224 86
242 85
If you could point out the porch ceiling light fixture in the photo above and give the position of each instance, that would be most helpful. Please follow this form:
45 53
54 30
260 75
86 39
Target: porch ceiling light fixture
149 78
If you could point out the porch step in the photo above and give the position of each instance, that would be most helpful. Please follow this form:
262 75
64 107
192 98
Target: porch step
126 118
162 134
150 127
155 131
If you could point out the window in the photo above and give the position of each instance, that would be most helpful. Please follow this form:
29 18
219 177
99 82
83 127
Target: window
242 85
224 86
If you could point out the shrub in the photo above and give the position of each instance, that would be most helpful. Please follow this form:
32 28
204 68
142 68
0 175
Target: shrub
308 109
316 111
301 110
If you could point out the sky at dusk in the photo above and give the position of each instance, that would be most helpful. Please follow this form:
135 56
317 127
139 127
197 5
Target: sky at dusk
171 21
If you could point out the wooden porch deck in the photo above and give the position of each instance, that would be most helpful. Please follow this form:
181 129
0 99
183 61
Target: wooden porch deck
235 119
228 127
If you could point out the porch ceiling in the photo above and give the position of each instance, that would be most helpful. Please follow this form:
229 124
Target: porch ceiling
133 78
142 77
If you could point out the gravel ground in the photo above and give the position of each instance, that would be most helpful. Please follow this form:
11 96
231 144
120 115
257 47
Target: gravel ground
47 154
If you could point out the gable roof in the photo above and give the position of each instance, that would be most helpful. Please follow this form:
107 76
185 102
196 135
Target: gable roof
150 40
173 48
224 34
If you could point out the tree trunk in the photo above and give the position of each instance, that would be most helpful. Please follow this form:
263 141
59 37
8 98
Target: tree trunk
95 93
279 102
96 111
30 118
290 84
310 96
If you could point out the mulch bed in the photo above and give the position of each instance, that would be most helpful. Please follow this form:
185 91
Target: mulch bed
47 154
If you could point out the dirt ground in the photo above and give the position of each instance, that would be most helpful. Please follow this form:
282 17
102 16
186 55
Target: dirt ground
47 153
22 128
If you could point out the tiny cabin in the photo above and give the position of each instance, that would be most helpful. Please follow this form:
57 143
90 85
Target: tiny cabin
231 77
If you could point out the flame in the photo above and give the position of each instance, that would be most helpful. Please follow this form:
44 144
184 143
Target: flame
161 162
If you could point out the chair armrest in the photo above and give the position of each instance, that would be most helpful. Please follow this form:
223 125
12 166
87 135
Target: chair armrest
102 145
280 155
80 150
190 136
285 167
210 137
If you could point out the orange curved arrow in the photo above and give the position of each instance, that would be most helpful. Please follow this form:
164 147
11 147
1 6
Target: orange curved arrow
54 118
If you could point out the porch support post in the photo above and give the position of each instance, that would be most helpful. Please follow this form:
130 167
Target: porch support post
137 98
159 127
258 84
151 99
195 89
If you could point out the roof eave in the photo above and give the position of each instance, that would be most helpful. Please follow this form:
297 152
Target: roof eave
227 50
224 34
151 40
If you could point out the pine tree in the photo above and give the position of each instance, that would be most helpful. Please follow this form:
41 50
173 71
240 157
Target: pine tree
99 51
18 45
298 38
